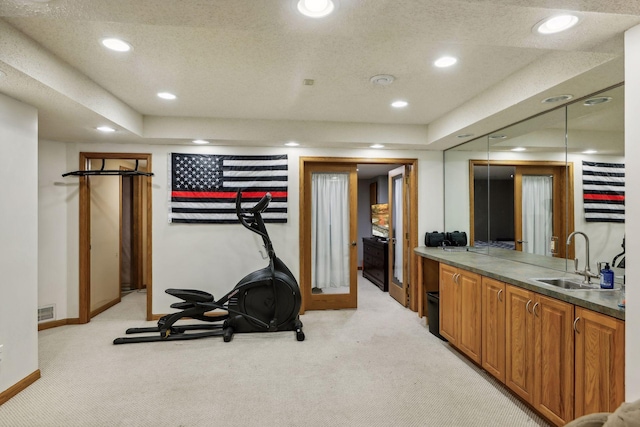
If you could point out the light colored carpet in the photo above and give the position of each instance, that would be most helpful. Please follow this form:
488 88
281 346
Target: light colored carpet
374 366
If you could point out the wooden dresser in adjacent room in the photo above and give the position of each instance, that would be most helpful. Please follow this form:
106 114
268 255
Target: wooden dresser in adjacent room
376 261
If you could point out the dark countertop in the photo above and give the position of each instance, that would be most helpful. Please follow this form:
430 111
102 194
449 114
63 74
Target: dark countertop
510 269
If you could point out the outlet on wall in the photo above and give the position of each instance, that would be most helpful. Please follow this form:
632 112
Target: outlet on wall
1 348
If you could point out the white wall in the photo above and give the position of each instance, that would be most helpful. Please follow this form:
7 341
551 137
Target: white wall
52 222
18 241
632 193
208 257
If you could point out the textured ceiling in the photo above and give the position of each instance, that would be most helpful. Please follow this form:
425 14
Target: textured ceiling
240 64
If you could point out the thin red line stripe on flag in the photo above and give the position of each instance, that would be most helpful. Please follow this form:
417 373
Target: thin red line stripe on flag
225 194
603 197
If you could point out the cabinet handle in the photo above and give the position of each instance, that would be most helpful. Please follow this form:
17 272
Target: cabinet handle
527 307
499 293
575 324
534 308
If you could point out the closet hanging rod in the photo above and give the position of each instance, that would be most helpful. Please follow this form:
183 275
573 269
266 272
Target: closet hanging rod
103 171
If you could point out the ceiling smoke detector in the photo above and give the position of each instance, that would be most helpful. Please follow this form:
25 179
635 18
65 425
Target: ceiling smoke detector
382 79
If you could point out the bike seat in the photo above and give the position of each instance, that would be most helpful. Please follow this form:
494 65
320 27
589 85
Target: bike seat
190 295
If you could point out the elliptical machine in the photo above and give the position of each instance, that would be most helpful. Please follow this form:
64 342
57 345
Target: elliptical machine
267 300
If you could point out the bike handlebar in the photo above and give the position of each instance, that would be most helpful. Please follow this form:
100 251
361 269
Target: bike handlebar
257 208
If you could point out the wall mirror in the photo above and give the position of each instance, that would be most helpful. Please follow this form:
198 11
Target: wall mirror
458 190
526 187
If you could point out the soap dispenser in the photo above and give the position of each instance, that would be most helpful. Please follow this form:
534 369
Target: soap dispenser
606 277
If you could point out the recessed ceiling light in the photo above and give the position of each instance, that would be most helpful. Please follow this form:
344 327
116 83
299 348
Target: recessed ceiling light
105 129
377 146
557 98
200 141
465 135
315 8
445 61
399 104
497 136
166 95
589 151
556 24
382 79
595 101
116 44
519 149
291 144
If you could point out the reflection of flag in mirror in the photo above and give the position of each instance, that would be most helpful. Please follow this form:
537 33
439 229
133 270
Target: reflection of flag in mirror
204 186
603 191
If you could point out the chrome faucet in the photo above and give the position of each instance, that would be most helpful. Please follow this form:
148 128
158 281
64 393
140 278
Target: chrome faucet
586 273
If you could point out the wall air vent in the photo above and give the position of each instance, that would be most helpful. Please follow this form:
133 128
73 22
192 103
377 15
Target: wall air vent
46 313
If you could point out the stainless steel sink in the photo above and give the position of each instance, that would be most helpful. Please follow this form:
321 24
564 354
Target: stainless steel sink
570 283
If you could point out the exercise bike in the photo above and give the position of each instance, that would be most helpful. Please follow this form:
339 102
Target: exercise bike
267 300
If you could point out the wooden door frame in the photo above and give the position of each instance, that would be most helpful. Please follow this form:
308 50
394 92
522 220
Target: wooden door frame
84 221
567 226
305 222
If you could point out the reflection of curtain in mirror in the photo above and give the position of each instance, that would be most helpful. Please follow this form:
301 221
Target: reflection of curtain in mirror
537 214
397 229
330 230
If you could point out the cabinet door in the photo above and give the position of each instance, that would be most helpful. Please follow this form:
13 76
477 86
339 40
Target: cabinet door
553 395
470 332
493 327
519 342
599 341
448 303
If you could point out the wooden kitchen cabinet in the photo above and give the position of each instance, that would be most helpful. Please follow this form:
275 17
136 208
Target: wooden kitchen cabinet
460 310
539 352
564 360
493 327
448 304
554 375
599 362
519 342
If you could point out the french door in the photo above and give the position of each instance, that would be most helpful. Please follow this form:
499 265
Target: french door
399 245
329 279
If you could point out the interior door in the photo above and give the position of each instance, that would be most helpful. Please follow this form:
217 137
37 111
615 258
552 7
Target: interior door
538 199
399 232
105 239
330 275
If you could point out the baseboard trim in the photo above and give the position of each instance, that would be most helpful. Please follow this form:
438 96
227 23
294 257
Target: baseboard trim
105 307
19 386
56 323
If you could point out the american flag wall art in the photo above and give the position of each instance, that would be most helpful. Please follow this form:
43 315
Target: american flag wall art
603 191
204 186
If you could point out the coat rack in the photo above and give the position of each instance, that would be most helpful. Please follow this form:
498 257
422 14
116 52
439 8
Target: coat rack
103 171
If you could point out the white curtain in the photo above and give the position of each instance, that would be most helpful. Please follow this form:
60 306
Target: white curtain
398 232
537 214
330 230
